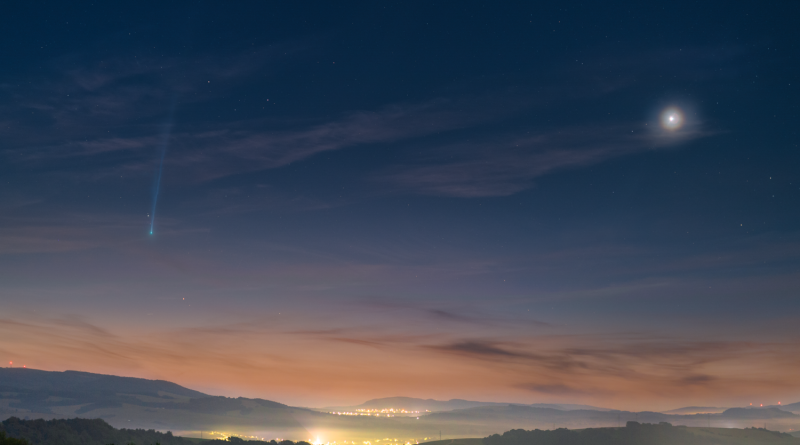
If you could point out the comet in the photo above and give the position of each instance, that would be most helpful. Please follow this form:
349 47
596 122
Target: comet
163 143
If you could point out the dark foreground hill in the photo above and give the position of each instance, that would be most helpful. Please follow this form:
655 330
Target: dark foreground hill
4 440
98 432
127 402
132 404
636 433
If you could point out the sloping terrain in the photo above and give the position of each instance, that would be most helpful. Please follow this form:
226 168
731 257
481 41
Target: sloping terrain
793 407
126 402
151 404
493 419
696 410
98 432
77 383
635 433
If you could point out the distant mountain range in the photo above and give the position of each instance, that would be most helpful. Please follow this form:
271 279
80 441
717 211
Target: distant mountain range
793 407
430 405
126 402
696 410
758 413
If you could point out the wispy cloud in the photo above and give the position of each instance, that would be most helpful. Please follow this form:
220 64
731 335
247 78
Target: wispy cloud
253 145
70 232
581 365
221 153
631 366
79 106
479 349
507 165
112 111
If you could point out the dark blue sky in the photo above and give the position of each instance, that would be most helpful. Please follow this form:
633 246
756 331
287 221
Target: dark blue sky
483 190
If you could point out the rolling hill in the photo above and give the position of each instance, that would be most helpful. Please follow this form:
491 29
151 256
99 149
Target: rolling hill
431 405
133 403
696 410
126 402
76 382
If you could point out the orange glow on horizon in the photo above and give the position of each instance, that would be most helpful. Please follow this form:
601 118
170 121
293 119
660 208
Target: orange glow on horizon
233 360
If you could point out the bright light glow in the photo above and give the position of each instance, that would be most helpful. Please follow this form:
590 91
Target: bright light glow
672 118
388 412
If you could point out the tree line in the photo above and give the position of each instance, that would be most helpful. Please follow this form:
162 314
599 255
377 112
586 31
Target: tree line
14 431
636 433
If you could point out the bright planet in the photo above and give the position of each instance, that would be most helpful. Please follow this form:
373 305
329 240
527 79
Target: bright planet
672 119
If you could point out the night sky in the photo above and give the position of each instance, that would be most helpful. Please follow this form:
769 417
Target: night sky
475 200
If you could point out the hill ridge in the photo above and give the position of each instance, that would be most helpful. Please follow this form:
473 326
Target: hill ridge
433 405
40 380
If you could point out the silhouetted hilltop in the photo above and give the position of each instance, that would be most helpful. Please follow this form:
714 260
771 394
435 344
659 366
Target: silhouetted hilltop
789 407
83 432
696 410
516 415
636 433
422 405
757 413
98 432
34 380
127 402
4 440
